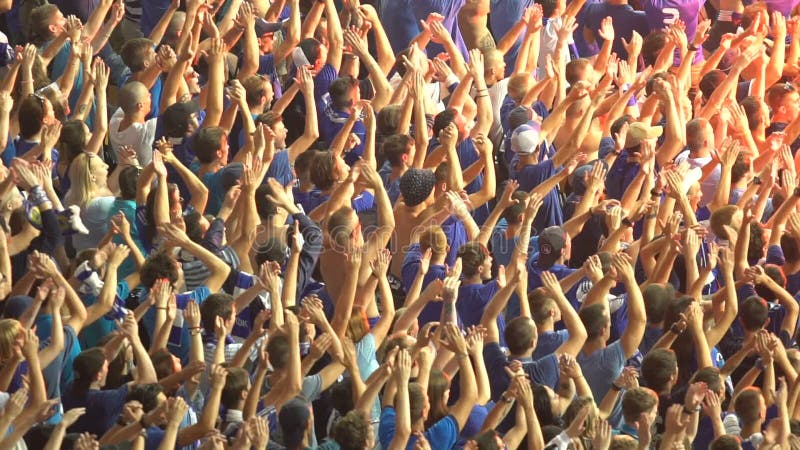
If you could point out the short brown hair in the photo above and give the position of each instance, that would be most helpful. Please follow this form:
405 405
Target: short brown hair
637 401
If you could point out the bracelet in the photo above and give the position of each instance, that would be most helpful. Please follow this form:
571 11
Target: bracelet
160 307
675 329
482 95
651 216
797 192
462 355
757 181
615 387
142 423
627 222
689 412
693 48
195 328
121 422
507 399
655 193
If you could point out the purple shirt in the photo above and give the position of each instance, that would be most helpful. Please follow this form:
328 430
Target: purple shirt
785 7
662 13
506 13
625 19
447 8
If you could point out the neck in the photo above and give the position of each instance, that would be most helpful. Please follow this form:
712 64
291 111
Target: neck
749 429
419 425
211 167
594 345
438 259
398 171
95 386
133 118
475 279
545 326
512 230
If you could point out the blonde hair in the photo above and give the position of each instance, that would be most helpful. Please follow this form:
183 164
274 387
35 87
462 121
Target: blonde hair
82 188
10 329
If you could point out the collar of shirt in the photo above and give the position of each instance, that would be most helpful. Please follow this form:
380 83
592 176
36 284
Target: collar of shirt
234 416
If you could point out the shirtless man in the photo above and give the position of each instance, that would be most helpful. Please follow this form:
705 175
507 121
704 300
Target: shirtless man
342 229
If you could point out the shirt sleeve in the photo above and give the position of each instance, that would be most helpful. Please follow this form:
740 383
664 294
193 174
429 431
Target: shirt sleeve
443 434
312 386
386 427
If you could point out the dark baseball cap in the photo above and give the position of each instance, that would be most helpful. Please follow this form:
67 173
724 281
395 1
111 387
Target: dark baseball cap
552 241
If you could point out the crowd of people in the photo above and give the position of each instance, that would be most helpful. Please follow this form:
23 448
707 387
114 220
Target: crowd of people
399 224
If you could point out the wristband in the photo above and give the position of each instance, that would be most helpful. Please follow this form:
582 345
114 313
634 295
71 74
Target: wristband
37 196
689 412
627 222
632 101
451 80
693 48
654 193
121 422
797 192
142 423
757 181
675 329
615 387
507 399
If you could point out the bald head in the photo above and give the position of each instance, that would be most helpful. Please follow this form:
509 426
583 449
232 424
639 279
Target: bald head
132 96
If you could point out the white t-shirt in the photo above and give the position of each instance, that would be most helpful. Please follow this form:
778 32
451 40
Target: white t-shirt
138 135
549 40
497 93
708 186
432 90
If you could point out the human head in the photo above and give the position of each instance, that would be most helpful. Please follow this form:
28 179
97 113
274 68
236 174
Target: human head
34 111
180 119
433 237
211 145
138 54
217 305
237 384
596 320
45 22
88 174
417 186
518 86
160 264
258 91
344 226
725 442
134 99
344 92
438 396
580 69
554 246
652 45
90 366
150 395
520 334
354 432
418 402
726 216
753 313
278 350
397 148
294 419
327 170
475 260
494 65
544 310
516 212
313 52
656 300
660 369
128 177
749 406
699 135
638 401
784 101
12 338
73 139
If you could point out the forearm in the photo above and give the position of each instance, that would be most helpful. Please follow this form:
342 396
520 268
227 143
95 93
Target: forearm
144 366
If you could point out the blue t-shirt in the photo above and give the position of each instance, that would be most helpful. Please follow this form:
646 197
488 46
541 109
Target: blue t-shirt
433 310
332 120
548 342
392 186
471 302
505 14
102 408
442 435
532 175
601 368
626 21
